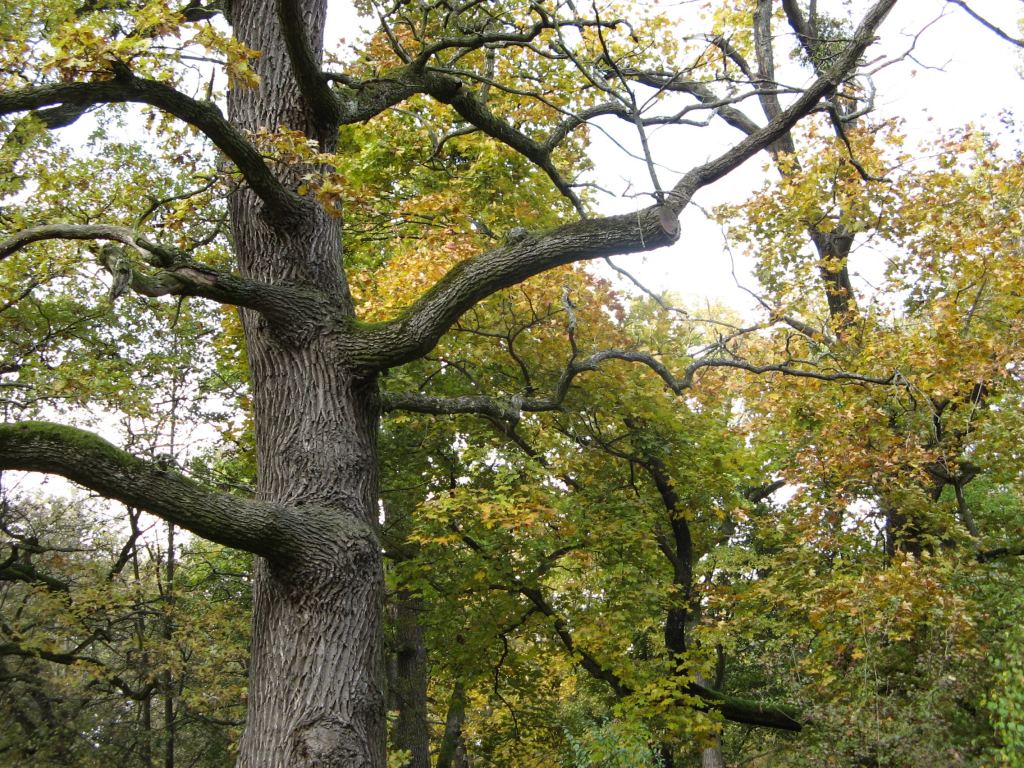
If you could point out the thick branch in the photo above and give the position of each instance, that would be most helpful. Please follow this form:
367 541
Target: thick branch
89 460
286 304
749 711
758 493
418 330
323 103
988 555
126 87
16 569
57 657
766 74
181 278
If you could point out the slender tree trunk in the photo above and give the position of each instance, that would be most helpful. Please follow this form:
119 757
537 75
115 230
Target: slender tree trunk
409 687
168 635
448 752
146 704
315 688
711 757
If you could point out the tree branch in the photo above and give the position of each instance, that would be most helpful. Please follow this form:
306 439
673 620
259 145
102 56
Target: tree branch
205 116
732 708
322 101
805 32
780 125
89 460
471 108
988 24
181 277
766 73
408 337
161 255
988 555
16 569
510 409
289 305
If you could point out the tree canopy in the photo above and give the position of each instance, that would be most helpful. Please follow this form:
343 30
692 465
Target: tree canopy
344 311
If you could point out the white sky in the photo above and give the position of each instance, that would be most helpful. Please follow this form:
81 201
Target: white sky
960 73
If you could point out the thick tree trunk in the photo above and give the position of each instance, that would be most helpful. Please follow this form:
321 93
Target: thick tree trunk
315 686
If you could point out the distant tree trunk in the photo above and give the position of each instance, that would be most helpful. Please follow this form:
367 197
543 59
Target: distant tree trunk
711 757
409 687
146 704
448 753
168 634
833 253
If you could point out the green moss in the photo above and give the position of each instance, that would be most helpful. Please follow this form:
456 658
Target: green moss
70 438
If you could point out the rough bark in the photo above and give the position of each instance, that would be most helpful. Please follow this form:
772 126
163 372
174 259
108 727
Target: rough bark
316 678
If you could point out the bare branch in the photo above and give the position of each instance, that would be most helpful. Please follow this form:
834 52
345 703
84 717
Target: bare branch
510 409
988 24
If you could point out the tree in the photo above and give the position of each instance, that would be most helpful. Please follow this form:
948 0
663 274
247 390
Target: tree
102 661
316 678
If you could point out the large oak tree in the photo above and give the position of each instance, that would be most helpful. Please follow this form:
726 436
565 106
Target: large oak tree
316 677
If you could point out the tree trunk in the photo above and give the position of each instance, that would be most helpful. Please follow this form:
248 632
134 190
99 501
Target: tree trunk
448 752
711 757
315 685
409 688
167 631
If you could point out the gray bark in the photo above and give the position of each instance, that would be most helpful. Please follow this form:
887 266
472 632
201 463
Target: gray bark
316 677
